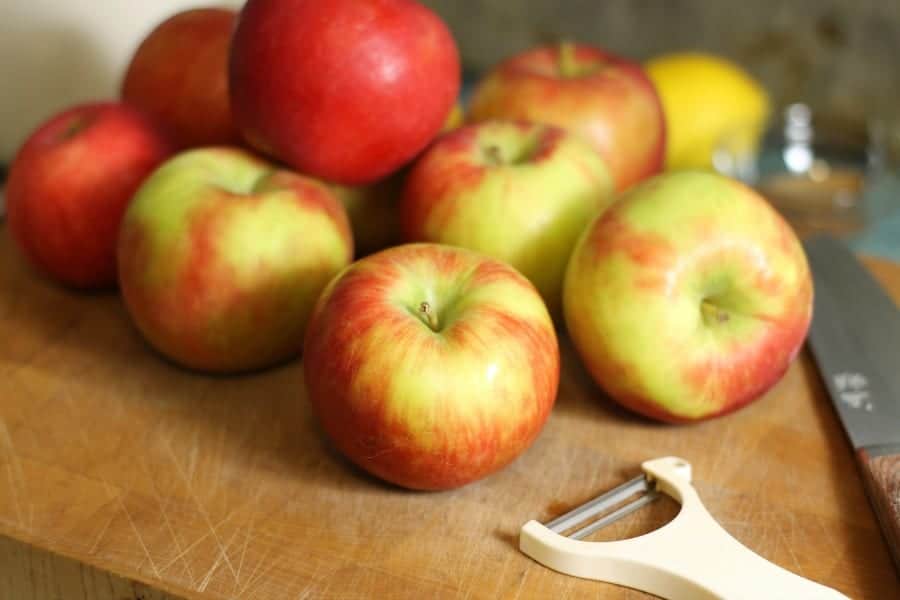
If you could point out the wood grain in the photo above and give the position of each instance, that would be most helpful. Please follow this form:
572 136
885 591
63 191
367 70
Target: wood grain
881 473
224 487
29 573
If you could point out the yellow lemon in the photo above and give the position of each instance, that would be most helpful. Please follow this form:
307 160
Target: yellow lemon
708 101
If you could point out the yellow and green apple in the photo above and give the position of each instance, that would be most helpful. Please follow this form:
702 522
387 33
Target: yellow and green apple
606 98
431 366
221 258
518 192
689 298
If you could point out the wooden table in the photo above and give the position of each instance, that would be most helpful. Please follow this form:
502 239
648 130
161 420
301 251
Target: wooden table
224 487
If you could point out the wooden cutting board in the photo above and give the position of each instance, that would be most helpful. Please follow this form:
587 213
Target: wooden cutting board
224 487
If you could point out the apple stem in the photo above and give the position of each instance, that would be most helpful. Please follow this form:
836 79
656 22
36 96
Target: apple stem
430 318
73 127
568 66
711 312
493 155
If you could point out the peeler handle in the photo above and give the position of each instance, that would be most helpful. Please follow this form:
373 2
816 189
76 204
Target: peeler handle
690 558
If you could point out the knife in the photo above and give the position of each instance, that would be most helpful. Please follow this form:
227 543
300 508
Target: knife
855 341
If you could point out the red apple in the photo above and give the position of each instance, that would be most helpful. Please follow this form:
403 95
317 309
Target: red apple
179 76
431 366
689 297
222 257
343 90
69 185
518 192
606 98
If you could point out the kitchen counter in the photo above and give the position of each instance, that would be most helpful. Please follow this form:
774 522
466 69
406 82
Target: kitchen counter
224 487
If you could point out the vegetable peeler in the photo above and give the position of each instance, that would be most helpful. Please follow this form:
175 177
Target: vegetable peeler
690 558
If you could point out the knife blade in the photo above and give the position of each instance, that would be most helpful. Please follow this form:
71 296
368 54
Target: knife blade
855 341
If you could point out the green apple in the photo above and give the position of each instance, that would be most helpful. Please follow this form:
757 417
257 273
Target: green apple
516 191
688 298
221 258
431 366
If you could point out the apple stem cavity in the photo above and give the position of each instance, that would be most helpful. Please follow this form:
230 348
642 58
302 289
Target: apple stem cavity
568 65
713 313
429 316
74 127
493 155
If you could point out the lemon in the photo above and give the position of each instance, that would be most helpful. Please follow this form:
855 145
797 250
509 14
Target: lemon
709 102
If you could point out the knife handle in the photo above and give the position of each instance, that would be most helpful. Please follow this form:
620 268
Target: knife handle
881 473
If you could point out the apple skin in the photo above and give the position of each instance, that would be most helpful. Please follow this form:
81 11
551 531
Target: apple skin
604 97
519 192
374 209
222 256
179 76
425 407
350 91
69 184
374 212
688 298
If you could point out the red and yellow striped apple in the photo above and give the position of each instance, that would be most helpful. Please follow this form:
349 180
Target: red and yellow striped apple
69 185
519 192
431 366
689 297
344 90
222 256
606 98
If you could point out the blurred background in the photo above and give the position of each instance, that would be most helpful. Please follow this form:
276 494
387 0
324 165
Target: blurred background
840 58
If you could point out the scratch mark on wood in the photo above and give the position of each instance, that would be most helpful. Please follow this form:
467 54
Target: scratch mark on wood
196 500
222 557
93 549
163 508
255 578
140 538
196 543
248 532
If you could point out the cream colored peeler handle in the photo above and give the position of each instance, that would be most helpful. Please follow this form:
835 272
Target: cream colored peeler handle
690 558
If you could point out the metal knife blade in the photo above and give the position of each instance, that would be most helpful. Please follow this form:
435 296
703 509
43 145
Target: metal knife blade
855 340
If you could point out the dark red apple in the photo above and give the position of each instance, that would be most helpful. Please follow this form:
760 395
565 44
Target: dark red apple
344 90
179 76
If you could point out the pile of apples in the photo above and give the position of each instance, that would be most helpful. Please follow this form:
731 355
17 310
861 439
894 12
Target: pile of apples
224 191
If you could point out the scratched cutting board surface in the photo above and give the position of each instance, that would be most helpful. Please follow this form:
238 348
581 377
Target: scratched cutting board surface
224 487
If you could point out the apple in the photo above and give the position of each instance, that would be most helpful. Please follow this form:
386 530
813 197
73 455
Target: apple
374 209
454 119
344 90
519 192
431 366
374 212
688 298
222 256
69 184
604 97
179 76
